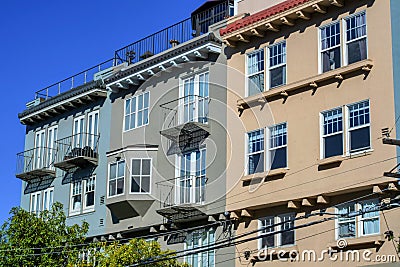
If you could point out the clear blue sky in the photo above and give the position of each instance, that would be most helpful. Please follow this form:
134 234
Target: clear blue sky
45 41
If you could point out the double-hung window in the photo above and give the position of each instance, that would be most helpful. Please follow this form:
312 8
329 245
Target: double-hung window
278 146
255 72
357 129
116 180
140 181
283 224
137 111
76 198
82 196
332 132
200 239
330 47
255 151
345 48
356 37
358 219
277 65
359 126
41 200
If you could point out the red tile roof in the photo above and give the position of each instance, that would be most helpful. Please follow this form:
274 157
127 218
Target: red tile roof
279 8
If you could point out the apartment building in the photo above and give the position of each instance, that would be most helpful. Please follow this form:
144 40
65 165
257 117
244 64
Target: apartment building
312 92
137 147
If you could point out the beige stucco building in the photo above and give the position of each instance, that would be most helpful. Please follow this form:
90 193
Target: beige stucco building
312 92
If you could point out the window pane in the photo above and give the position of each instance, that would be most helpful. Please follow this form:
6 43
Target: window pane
331 59
359 139
333 145
120 186
279 158
113 171
347 229
256 84
146 184
136 167
121 169
112 188
357 50
127 106
256 141
146 167
90 199
256 163
127 125
135 186
277 76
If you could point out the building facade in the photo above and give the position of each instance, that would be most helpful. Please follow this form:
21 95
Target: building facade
252 133
315 93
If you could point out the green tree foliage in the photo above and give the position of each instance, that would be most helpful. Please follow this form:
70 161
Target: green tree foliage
136 251
40 240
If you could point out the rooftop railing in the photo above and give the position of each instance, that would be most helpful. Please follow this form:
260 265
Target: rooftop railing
73 81
151 45
173 35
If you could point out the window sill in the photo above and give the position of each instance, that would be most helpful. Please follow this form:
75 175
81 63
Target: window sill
272 253
311 83
263 175
330 160
359 154
80 213
375 240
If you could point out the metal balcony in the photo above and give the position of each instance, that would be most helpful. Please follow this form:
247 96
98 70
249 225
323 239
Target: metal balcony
209 13
77 151
183 197
185 122
35 163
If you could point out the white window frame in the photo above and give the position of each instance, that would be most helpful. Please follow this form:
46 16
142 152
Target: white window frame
35 203
320 50
346 42
210 236
116 178
52 137
346 130
349 129
269 68
89 185
261 50
195 98
41 200
323 136
358 220
343 40
76 191
92 129
193 191
271 149
248 154
362 218
141 176
277 219
136 112
48 198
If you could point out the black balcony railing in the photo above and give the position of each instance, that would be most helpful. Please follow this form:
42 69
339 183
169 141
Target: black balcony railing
77 150
190 108
35 162
73 81
178 33
187 189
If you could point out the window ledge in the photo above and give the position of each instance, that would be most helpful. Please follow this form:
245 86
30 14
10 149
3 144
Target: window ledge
282 252
258 175
372 240
359 154
263 175
330 160
279 171
311 83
